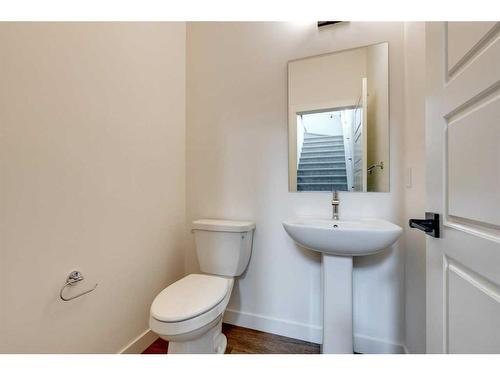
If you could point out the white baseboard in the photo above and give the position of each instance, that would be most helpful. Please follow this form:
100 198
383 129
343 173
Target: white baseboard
140 343
276 326
300 331
305 332
372 345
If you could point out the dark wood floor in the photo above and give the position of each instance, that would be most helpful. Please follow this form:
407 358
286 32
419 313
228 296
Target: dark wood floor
248 341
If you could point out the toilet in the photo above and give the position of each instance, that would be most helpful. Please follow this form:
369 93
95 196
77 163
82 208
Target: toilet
188 313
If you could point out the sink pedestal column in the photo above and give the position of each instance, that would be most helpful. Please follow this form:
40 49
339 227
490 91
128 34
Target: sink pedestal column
337 304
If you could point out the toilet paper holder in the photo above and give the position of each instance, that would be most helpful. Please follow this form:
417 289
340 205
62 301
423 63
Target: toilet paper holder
73 278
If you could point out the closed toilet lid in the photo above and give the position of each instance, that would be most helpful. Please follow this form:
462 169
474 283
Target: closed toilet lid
189 297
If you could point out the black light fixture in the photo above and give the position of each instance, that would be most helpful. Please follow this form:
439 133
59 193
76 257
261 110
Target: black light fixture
327 23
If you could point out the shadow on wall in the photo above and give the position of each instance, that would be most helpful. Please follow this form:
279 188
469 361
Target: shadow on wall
384 304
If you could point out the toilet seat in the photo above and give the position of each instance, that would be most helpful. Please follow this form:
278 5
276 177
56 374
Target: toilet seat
189 297
189 304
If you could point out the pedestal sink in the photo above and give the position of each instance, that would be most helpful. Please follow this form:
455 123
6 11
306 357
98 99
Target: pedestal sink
338 241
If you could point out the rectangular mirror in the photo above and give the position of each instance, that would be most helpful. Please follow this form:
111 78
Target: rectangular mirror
338 121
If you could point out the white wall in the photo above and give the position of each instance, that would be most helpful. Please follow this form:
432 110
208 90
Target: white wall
237 168
327 81
92 177
415 194
325 123
300 137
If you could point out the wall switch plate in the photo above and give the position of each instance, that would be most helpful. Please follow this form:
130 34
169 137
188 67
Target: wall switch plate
408 178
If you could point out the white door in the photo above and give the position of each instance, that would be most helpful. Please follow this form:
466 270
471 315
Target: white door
360 140
463 185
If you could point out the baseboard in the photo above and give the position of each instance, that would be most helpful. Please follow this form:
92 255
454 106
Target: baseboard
305 332
141 343
371 345
276 326
362 343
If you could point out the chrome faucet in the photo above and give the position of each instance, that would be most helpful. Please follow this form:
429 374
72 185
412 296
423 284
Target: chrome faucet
335 205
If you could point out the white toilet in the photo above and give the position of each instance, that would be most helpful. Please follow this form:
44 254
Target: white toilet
188 313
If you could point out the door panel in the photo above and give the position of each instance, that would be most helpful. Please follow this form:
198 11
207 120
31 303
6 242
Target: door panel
469 332
360 139
477 78
474 163
463 180
358 147
463 39
364 102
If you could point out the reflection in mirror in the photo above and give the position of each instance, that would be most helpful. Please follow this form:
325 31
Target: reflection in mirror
339 121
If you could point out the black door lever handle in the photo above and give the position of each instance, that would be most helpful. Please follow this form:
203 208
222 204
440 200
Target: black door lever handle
422 224
429 225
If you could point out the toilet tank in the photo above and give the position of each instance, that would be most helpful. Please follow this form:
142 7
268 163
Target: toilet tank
223 246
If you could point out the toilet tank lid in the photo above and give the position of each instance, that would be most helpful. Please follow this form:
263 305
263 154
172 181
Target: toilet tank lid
218 225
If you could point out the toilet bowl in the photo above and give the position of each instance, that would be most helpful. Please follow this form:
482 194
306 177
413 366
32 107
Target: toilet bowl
188 313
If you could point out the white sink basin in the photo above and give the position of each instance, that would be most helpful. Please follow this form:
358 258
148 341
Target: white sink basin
339 241
339 237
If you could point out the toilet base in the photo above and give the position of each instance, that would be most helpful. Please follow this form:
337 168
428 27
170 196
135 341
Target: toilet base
211 342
